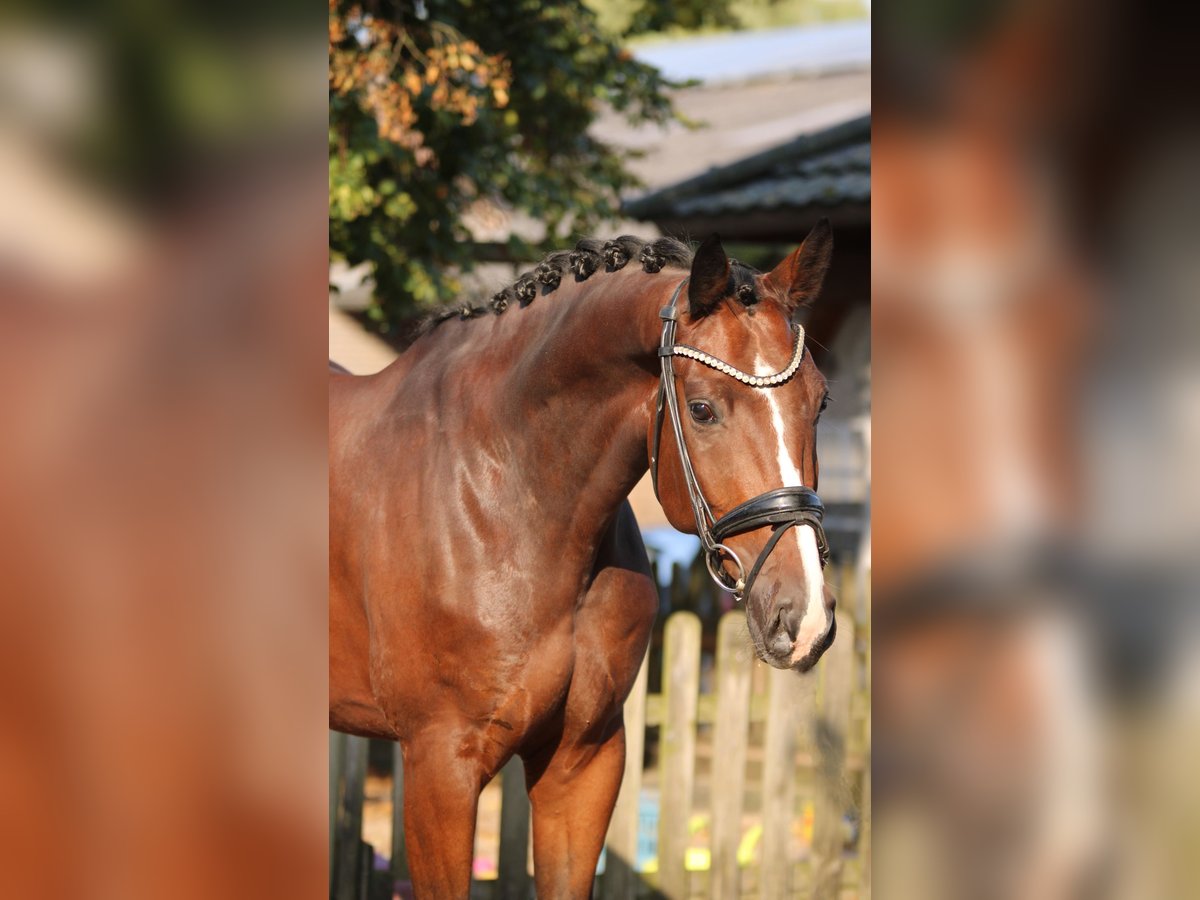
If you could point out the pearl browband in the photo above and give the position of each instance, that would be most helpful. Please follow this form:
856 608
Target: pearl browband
745 377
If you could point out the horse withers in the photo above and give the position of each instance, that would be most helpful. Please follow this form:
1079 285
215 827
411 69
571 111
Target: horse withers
490 594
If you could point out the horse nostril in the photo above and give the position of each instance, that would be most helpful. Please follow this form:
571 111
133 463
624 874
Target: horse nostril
788 621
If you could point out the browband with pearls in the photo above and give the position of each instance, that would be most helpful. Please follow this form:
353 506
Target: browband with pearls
745 377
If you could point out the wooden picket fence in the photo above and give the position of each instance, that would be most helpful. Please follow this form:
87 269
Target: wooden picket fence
758 784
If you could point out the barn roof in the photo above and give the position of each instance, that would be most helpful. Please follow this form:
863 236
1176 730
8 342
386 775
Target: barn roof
774 194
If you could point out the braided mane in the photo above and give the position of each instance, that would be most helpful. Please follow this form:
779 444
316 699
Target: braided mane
588 257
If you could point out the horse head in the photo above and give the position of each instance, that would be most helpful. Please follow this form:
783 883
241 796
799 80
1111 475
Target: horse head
746 402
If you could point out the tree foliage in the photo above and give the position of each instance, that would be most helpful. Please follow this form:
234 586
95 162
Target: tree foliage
437 105
690 15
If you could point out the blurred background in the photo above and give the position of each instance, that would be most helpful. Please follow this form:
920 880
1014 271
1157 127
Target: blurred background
1034 516
163 287
465 143
175 184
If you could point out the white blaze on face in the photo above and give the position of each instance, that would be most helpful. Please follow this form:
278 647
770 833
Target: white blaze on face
813 623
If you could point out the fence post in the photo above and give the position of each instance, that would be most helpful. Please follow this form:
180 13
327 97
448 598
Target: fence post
399 869
347 856
730 736
864 840
620 868
779 782
337 755
513 878
366 870
832 796
681 688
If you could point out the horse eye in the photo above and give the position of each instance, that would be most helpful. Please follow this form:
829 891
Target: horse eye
701 411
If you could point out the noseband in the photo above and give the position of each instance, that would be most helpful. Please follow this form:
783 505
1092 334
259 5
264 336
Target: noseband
782 508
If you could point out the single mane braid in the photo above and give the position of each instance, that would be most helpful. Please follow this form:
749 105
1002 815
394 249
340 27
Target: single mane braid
525 289
619 251
548 275
585 258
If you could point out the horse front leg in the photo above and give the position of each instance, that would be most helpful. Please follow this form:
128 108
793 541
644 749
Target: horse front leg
572 790
441 794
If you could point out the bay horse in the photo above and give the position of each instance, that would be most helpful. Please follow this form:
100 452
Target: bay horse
490 594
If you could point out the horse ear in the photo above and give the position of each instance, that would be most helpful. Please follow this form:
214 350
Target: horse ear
799 277
709 282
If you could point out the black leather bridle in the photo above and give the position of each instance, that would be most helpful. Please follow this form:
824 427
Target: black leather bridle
782 508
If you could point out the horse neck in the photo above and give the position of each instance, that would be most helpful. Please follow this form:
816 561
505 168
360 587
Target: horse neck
587 384
561 394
